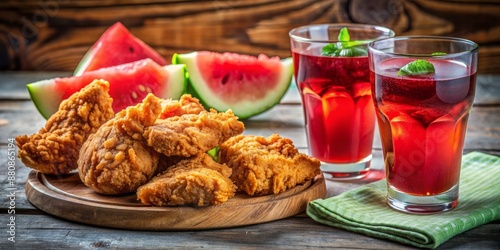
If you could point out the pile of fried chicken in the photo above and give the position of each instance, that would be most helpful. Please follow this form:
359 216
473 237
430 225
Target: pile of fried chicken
158 149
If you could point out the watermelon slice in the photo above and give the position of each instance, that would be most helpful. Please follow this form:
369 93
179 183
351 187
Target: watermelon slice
129 84
246 84
116 46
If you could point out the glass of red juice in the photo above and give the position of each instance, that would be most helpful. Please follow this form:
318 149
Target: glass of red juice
423 90
336 94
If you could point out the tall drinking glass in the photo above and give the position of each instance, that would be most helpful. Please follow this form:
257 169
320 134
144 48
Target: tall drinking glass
332 75
423 89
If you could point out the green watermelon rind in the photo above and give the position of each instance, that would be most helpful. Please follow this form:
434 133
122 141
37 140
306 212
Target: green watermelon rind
177 73
84 63
245 109
47 100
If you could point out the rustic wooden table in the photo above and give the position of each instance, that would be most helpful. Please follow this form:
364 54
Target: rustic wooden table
36 229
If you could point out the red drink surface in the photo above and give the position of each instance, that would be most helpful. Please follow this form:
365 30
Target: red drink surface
422 121
338 106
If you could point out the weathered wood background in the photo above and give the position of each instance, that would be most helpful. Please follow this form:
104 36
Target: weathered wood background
53 35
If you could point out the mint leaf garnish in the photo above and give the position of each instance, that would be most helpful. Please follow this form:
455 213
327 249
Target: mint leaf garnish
344 35
438 54
345 47
417 67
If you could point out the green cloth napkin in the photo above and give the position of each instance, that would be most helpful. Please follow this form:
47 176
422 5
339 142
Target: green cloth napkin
364 209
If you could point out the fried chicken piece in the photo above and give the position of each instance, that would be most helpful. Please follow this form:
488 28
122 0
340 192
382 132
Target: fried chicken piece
116 159
269 165
54 149
198 181
185 105
192 134
165 162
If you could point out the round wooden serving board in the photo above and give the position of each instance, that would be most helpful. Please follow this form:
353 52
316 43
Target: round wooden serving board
66 197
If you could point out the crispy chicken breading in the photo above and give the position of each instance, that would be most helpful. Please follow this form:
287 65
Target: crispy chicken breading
198 181
55 148
269 165
116 159
165 162
192 134
170 108
185 105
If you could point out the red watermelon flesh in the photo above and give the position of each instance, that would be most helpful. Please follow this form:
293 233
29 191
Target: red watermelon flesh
129 84
116 46
246 84
238 70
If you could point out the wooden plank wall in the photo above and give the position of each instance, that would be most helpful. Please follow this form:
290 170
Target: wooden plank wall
53 35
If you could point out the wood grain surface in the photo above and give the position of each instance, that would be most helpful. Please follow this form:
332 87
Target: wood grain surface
53 35
57 195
